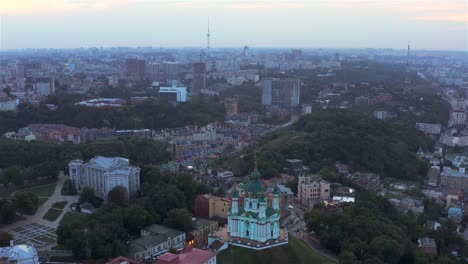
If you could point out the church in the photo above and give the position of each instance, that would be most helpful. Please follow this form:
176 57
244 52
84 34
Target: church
255 223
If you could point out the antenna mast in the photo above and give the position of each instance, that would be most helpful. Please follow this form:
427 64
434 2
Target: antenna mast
208 36
407 79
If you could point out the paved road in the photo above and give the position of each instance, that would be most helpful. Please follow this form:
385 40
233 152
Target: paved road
298 229
37 217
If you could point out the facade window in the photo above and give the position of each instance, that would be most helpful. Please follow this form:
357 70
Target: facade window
247 233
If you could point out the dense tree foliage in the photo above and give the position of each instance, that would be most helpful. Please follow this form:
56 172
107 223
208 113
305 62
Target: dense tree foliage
180 219
32 163
5 238
323 138
7 211
25 202
118 195
148 114
373 231
68 188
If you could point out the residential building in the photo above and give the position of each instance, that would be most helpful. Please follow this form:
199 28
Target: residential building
8 104
44 86
173 94
433 176
458 117
430 129
311 189
198 78
428 245
201 228
103 174
210 206
136 69
282 93
190 255
231 104
155 240
452 178
306 109
19 254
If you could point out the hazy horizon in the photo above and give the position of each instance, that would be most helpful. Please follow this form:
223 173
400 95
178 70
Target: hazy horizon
333 24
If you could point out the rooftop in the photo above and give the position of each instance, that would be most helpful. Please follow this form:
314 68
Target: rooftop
109 162
159 229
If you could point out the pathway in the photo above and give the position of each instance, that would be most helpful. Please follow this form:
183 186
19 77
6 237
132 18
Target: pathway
42 210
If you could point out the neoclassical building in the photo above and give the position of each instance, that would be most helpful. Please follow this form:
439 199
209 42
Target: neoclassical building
254 220
103 174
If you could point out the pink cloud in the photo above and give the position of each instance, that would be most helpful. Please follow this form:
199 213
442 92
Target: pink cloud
450 17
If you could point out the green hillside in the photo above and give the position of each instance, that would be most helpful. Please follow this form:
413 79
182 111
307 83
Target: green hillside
323 138
295 252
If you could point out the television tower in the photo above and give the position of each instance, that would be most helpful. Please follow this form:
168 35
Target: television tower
407 78
208 36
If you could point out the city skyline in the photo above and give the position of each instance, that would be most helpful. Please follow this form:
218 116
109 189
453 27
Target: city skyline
428 24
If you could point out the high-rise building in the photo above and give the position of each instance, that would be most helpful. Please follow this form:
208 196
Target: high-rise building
136 69
199 78
282 93
166 72
44 86
231 104
103 174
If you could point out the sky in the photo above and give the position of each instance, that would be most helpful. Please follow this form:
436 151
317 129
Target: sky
427 24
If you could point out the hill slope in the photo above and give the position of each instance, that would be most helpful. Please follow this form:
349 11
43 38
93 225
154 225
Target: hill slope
295 252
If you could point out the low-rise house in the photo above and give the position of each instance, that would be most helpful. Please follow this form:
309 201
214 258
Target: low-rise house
154 241
210 206
190 255
428 245
201 228
87 208
433 176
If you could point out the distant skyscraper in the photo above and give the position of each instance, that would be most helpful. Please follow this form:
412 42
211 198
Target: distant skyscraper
199 78
281 93
136 69
165 72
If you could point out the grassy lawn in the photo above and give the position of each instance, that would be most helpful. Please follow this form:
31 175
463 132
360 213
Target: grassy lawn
59 205
52 214
42 191
45 239
295 252
73 216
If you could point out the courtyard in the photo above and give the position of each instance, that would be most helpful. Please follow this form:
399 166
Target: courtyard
37 234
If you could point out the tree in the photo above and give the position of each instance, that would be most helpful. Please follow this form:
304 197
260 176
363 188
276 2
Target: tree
86 195
118 195
68 188
26 202
7 211
179 219
5 238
